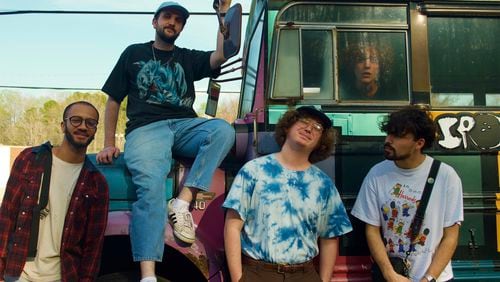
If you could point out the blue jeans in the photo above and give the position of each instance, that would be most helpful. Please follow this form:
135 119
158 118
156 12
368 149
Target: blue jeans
148 155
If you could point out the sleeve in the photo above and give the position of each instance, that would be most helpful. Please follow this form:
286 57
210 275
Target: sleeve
240 194
94 239
11 203
117 84
201 65
455 209
334 221
366 206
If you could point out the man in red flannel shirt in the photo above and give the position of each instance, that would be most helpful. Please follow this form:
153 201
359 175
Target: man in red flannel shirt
55 235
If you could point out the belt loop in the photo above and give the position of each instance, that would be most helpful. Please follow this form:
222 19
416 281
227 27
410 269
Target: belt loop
280 270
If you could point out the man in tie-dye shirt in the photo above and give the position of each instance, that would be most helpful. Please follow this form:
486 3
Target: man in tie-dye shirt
280 204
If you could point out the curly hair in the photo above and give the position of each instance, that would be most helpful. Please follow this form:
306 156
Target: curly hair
357 51
411 119
325 145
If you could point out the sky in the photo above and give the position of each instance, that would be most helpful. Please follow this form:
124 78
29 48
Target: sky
80 50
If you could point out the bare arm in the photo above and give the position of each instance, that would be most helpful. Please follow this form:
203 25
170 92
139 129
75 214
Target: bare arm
232 243
217 57
110 120
328 249
378 252
444 251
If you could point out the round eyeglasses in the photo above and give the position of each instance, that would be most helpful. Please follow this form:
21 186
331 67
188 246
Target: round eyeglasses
77 121
309 122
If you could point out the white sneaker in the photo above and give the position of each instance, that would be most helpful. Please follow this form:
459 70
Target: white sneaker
182 223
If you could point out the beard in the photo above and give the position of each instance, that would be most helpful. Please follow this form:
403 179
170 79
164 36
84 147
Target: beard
165 38
391 154
76 144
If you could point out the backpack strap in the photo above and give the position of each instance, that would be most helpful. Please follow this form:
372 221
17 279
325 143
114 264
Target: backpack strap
426 194
39 210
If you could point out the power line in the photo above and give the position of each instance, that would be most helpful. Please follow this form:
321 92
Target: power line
18 12
49 88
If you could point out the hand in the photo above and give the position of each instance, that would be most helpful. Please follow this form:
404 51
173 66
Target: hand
106 155
396 277
224 5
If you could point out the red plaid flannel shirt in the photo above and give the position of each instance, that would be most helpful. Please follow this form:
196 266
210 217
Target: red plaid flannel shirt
84 226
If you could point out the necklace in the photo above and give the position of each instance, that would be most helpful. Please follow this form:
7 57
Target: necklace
154 56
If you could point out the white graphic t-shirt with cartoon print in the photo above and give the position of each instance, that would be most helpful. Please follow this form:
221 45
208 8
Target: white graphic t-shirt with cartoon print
389 197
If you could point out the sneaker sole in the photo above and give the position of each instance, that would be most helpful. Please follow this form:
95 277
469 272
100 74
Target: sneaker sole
182 238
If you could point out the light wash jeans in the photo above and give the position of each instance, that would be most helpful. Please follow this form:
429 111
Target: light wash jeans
148 155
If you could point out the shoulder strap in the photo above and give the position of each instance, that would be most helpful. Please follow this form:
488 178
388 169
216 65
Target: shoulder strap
426 194
38 211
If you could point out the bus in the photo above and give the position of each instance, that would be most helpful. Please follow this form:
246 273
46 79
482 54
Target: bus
440 55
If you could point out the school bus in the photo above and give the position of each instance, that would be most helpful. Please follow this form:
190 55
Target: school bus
357 61
441 55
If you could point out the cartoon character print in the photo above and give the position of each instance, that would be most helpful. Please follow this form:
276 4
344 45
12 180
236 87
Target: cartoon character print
396 189
401 246
390 224
391 246
422 237
399 228
406 208
394 210
385 212
163 83
398 213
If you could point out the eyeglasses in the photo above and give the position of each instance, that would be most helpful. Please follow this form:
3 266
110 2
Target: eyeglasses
315 125
77 121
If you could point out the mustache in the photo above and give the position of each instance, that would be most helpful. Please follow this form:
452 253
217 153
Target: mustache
82 132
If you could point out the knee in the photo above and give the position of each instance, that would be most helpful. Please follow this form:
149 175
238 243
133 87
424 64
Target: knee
225 132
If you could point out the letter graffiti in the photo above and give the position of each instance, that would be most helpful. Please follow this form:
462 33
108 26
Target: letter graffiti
469 131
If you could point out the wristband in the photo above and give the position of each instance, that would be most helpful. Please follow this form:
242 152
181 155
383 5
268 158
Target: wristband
430 278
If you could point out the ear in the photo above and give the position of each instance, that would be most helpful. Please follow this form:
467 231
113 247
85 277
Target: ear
154 22
62 126
420 143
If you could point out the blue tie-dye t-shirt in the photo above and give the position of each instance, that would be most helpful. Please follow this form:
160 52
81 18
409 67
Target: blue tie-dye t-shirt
285 211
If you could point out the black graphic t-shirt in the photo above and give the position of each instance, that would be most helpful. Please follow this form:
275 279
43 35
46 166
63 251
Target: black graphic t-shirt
159 84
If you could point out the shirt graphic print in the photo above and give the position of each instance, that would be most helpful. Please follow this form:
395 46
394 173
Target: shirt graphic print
163 83
398 213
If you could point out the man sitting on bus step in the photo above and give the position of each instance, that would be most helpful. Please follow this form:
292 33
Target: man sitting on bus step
157 77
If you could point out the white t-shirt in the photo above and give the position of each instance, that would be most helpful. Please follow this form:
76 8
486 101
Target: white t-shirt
389 197
47 264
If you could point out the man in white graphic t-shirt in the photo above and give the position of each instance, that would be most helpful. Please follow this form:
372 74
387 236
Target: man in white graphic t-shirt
391 193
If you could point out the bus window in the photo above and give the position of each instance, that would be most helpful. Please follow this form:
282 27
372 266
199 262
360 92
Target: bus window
452 99
493 100
373 66
317 64
287 83
464 61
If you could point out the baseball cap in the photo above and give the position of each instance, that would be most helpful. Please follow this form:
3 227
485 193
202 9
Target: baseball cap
174 6
312 111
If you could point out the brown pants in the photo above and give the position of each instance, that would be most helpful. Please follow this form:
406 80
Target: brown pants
255 273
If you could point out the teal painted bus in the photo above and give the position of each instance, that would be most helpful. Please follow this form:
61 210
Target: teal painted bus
441 55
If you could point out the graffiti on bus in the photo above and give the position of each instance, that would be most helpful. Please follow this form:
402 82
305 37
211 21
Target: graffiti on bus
469 131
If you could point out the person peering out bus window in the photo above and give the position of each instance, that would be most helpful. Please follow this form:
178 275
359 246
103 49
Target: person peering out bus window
368 70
